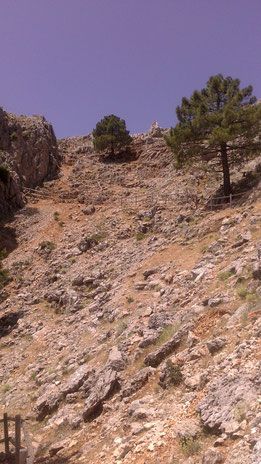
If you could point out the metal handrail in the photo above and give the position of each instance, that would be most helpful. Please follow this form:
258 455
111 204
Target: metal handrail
23 455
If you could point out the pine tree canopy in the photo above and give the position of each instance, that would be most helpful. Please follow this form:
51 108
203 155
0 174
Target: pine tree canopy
111 134
221 121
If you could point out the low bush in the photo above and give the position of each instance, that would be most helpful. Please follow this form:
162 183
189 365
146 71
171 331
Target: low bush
167 332
47 245
174 373
4 277
140 236
190 446
122 326
245 294
98 237
242 292
3 254
6 388
56 216
225 275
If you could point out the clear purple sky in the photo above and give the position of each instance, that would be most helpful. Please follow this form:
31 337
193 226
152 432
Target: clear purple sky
75 61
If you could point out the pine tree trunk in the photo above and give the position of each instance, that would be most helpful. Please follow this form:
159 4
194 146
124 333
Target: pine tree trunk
225 167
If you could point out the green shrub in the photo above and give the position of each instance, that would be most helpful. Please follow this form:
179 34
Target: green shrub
140 236
166 334
6 388
190 446
47 245
33 376
4 277
242 292
98 237
251 297
240 411
3 254
121 327
204 248
56 216
174 373
223 276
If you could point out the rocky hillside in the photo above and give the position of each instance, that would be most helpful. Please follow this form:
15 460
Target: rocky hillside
29 152
130 315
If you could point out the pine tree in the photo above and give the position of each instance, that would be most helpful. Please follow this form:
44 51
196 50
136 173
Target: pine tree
111 134
219 123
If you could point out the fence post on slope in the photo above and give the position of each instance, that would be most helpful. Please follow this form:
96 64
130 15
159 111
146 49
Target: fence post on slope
6 435
29 447
17 438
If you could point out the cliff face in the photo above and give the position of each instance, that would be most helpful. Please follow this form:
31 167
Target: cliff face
28 148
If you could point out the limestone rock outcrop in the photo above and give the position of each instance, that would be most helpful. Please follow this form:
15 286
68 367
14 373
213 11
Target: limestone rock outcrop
29 151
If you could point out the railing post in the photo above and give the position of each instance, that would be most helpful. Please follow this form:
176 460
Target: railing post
23 456
29 458
17 438
6 436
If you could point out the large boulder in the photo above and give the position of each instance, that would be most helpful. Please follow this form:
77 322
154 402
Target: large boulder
156 357
136 382
115 359
104 385
219 409
50 400
76 380
213 456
